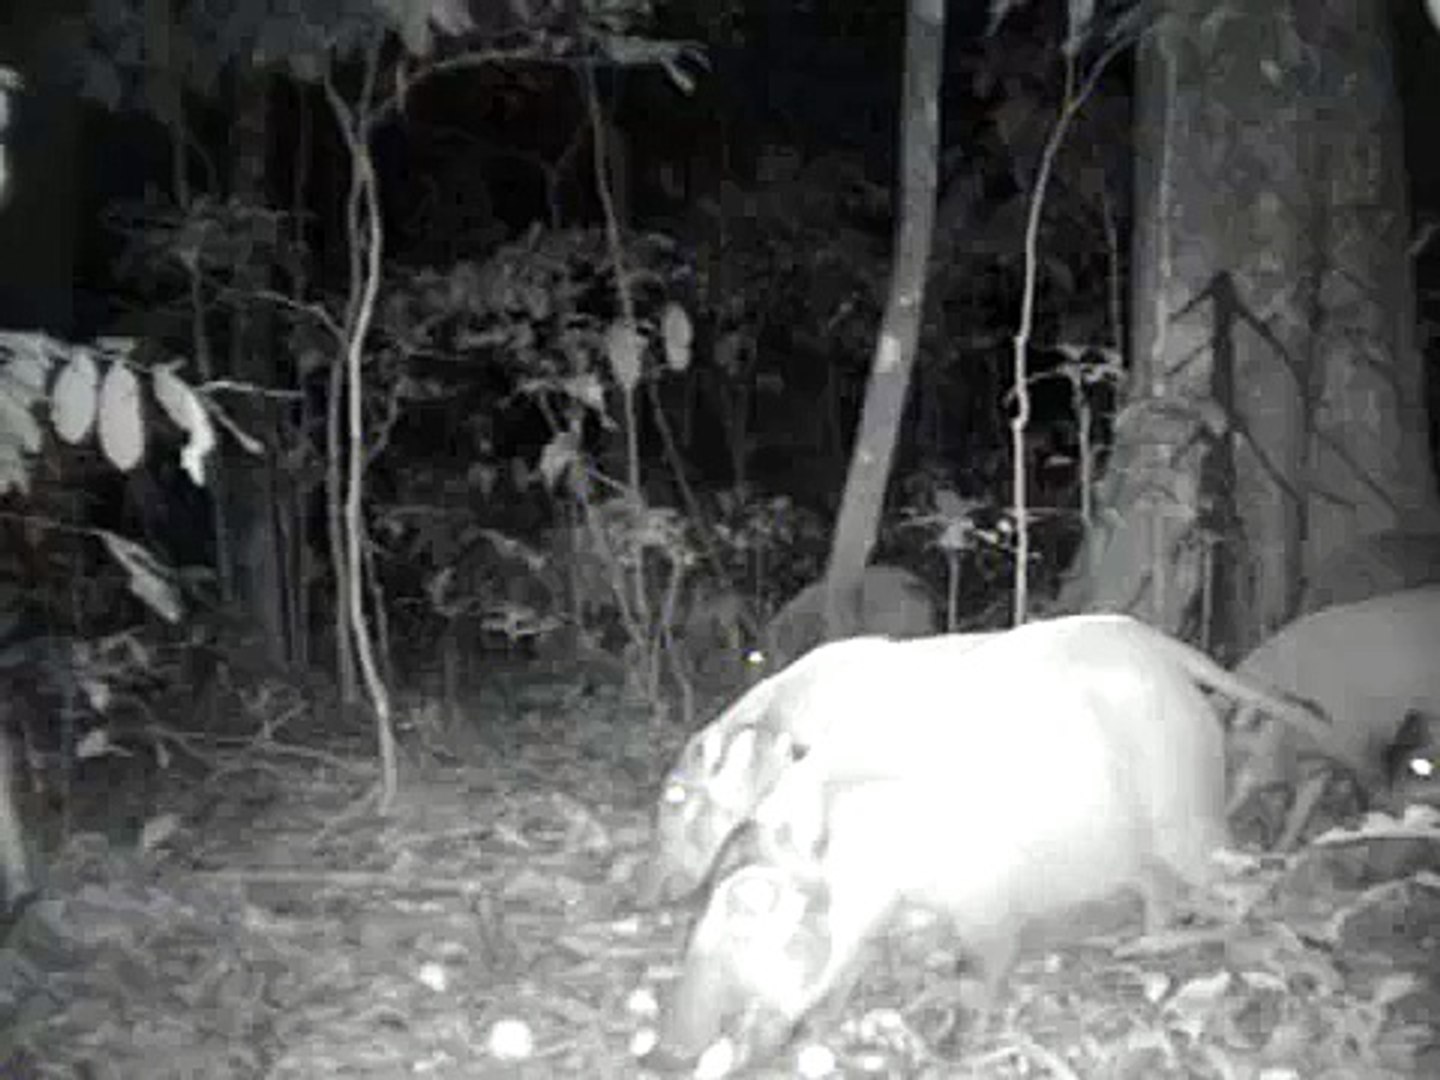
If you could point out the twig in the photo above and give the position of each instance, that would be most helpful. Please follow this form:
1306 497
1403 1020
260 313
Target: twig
362 879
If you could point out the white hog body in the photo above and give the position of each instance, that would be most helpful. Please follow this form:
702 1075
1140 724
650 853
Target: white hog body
1080 760
728 766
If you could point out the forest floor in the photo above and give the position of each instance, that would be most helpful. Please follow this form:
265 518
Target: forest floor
258 918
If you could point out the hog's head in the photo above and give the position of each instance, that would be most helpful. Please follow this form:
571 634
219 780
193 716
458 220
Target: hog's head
752 960
706 798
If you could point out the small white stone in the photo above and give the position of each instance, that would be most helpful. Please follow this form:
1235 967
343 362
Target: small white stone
641 1003
511 1040
433 977
643 1041
716 1061
816 1061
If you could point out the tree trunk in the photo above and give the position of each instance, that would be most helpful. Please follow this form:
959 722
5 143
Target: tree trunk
40 216
248 482
895 354
1275 406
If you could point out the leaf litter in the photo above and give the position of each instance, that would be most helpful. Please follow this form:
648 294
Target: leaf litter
485 927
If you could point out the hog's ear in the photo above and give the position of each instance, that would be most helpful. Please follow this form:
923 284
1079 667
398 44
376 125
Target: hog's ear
731 776
707 752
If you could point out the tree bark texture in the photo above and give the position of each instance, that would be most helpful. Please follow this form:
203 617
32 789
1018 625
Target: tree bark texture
869 472
1276 407
248 482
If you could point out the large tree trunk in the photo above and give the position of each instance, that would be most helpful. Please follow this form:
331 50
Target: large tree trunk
1276 406
247 483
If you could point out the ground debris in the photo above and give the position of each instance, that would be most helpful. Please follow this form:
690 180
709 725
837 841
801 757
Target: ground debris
484 927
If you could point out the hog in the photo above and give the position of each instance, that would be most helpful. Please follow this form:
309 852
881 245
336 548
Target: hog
990 783
1367 666
728 766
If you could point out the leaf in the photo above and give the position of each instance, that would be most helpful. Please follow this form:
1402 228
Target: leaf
1082 16
588 391
157 830
416 34
678 335
482 476
23 378
96 743
559 454
623 347
18 428
150 580
10 83
122 427
14 470
413 19
682 79
451 16
185 408
74 396
116 346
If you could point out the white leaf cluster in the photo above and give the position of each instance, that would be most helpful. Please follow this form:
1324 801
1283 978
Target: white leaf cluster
90 388
96 388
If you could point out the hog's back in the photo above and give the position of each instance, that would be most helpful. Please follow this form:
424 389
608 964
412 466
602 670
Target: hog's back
991 722
889 602
1365 665
1372 566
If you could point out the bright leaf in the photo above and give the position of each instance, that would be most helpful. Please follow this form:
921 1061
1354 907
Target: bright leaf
14 470
559 454
74 396
184 407
678 334
588 391
122 426
18 428
149 580
623 346
23 378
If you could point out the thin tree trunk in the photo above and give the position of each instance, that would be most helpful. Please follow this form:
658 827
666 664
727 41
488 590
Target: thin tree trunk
249 482
864 498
